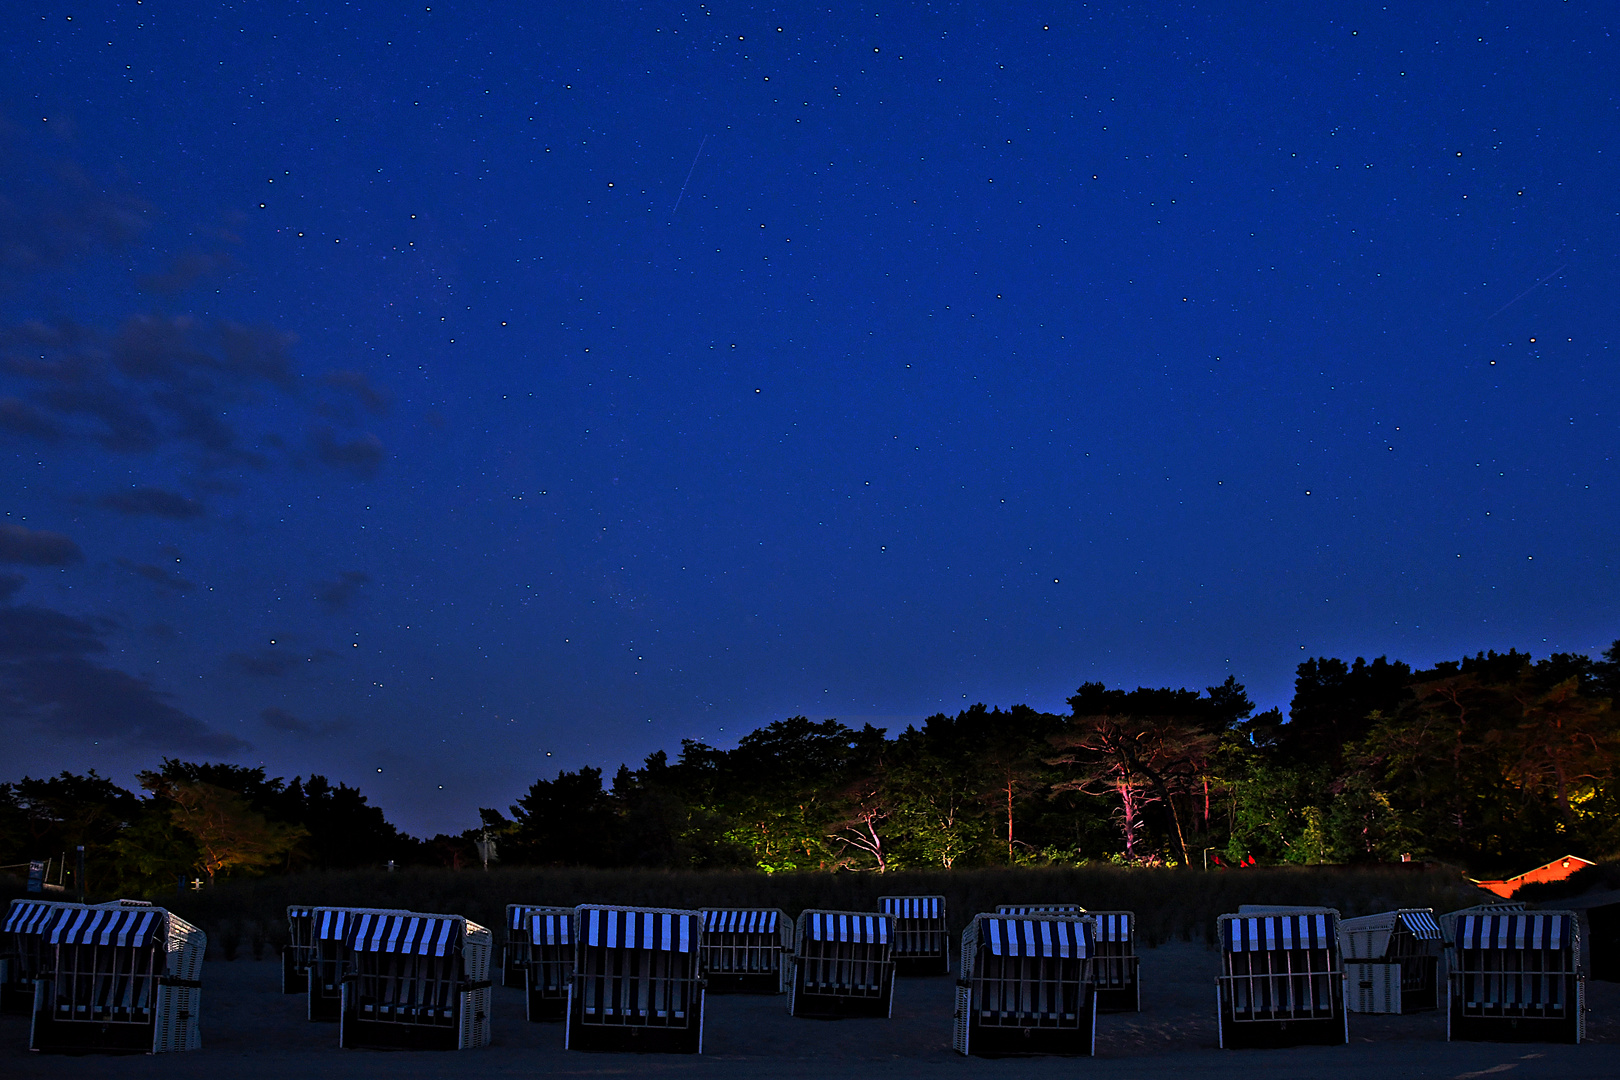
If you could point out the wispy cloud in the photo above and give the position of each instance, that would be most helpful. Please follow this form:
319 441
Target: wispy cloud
36 547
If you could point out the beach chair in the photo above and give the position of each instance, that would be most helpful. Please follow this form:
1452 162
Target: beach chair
1391 961
299 953
330 961
120 977
20 951
1026 986
1515 977
1039 909
745 950
515 949
842 965
638 981
416 982
548 943
1281 983
1115 966
921 940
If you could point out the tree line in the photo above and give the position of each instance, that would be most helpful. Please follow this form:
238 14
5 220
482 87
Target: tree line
1493 762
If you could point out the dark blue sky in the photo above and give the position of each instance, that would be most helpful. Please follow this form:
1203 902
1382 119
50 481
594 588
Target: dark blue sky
371 404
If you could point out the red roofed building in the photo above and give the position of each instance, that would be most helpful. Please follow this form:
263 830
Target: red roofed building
1557 870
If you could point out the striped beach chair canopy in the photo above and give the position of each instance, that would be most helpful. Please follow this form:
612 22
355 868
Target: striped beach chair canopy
1267 933
629 928
1421 925
741 920
32 916
912 907
300 911
1039 909
1514 931
551 927
847 926
517 915
1014 936
407 934
332 924
1113 925
133 927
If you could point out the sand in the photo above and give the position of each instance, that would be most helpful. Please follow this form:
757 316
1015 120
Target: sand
251 1030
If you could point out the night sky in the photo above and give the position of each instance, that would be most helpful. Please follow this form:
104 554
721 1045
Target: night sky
438 396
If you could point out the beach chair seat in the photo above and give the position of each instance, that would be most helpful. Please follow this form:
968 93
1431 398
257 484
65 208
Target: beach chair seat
1281 983
299 953
1515 977
1391 961
746 950
638 981
548 948
842 965
415 981
120 977
921 938
1026 986
20 950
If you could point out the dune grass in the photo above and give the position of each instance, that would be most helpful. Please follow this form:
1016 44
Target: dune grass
250 915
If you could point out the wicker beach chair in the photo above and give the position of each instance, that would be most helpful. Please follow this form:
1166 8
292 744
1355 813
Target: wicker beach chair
416 981
921 940
548 945
1115 966
298 955
1026 986
330 960
1515 977
20 949
118 977
515 947
1039 909
1281 983
1391 961
842 965
745 950
638 981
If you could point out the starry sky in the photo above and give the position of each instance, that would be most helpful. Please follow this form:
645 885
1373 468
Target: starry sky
438 396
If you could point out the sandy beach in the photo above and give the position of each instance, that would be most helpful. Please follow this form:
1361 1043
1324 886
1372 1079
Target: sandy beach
251 1030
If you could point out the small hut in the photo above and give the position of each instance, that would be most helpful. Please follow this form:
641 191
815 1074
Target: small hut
1391 961
1515 977
417 982
1026 986
1281 983
549 970
638 981
745 950
118 977
515 949
842 965
298 955
921 940
20 950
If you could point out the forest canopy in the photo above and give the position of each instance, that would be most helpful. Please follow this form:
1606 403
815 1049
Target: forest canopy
1493 762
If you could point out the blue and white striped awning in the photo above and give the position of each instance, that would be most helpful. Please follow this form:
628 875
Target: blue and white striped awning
551 927
741 920
517 915
332 924
1513 932
1039 909
1034 937
846 926
1266 933
1422 925
1113 925
296 912
913 907
418 935
133 927
32 916
625 928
